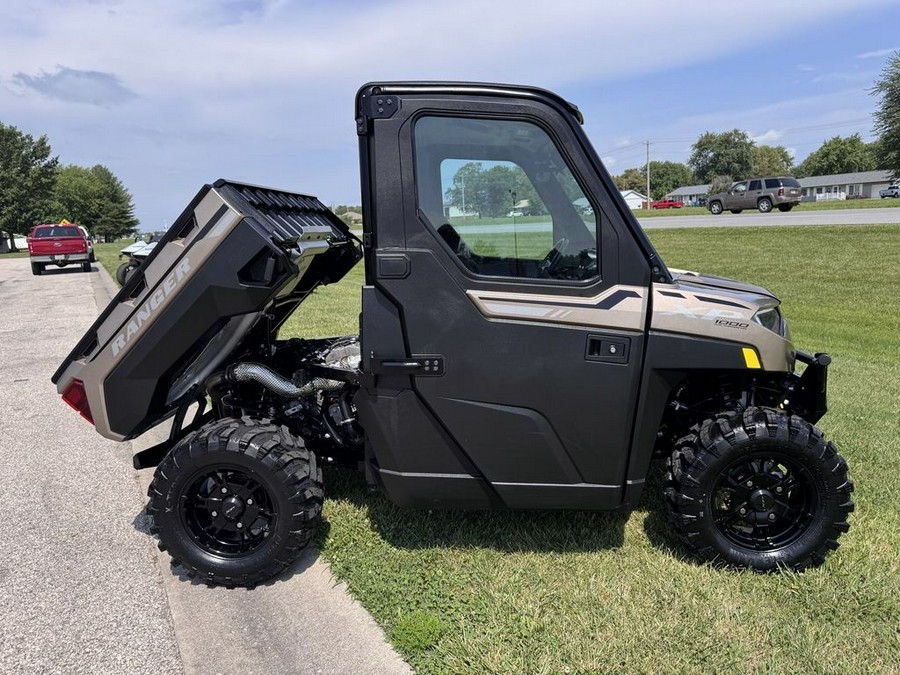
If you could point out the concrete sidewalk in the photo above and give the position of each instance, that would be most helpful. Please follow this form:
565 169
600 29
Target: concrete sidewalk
84 588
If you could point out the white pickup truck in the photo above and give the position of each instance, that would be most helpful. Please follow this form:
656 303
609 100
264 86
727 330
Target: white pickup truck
890 191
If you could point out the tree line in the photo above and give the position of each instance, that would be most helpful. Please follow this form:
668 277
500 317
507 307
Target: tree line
733 155
721 158
35 188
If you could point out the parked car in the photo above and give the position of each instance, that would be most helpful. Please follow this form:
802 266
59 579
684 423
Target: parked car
764 194
667 203
58 245
892 191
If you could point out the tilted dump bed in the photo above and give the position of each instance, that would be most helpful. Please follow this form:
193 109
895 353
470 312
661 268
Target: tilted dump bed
239 255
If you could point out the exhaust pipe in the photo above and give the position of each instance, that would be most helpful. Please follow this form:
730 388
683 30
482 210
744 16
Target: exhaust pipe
246 372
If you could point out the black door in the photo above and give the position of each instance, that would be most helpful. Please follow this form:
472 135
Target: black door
506 300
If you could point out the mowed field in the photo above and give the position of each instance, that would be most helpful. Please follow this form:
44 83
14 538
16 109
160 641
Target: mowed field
508 592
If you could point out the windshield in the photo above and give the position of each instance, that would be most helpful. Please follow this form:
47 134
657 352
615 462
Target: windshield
57 231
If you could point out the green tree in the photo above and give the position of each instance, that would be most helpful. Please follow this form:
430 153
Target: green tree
666 176
76 196
494 191
720 184
114 208
719 154
632 179
95 198
838 155
769 160
27 176
887 117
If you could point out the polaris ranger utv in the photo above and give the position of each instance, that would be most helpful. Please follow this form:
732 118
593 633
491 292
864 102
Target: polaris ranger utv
535 355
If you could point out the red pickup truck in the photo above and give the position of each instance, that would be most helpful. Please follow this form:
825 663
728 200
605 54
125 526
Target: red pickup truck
58 245
667 204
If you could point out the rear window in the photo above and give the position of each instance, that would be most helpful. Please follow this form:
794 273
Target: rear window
57 231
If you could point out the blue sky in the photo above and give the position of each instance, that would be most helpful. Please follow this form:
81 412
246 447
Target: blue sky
171 95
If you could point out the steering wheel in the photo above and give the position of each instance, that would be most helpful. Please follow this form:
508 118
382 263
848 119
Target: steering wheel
552 259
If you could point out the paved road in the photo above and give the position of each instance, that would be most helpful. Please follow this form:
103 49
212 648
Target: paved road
756 219
82 585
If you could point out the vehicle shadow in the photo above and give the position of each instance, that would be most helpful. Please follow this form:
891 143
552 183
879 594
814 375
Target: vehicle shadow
141 523
656 526
508 531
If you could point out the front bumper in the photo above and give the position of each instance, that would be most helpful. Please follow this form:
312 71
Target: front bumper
807 392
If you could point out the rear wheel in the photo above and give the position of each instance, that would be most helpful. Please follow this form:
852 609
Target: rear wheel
86 266
760 490
736 211
784 208
236 502
37 268
764 205
715 208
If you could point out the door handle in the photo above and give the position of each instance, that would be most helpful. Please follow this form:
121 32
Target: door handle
420 365
607 348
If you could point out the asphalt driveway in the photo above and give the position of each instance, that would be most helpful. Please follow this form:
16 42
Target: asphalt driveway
82 585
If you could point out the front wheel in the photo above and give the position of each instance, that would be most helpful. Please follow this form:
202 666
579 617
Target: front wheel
715 208
236 502
760 490
764 205
736 211
124 271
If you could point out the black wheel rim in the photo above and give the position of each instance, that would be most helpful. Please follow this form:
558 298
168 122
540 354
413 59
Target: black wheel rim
228 512
764 501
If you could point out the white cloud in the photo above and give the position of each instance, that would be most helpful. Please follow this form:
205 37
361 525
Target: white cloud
878 53
770 136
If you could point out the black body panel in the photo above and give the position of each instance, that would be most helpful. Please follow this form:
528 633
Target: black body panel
528 408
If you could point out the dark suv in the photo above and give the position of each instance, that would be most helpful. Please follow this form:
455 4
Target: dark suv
757 193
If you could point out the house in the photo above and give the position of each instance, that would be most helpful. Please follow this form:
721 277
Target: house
689 194
856 185
633 198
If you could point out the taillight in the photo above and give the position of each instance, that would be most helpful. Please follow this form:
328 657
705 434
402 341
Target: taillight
781 192
76 398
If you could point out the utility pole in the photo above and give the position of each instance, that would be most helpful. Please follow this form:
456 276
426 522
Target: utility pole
648 174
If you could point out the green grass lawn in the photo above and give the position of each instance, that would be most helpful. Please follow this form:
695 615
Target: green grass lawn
580 592
549 592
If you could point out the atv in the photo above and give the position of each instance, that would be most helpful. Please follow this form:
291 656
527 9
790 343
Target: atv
531 362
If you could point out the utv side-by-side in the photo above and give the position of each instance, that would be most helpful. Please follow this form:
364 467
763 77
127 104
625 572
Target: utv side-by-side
521 345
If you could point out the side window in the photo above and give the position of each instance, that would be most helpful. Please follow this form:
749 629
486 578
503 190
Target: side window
501 197
772 183
739 189
755 185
